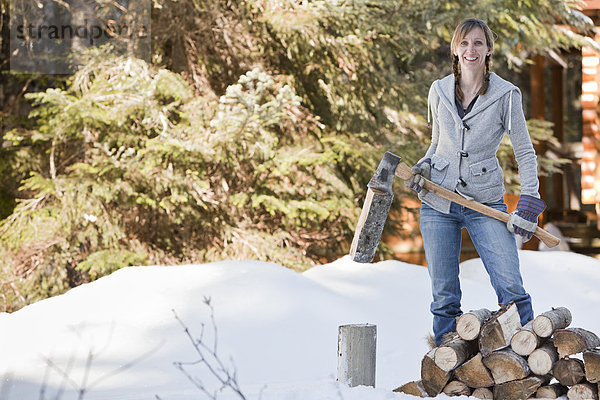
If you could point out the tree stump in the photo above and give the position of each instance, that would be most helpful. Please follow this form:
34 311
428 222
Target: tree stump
545 324
469 324
483 393
541 360
520 389
553 391
356 354
574 340
569 371
433 377
454 352
506 365
591 360
414 388
456 388
525 341
583 391
474 373
496 333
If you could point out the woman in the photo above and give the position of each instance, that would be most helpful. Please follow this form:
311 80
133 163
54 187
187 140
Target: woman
470 111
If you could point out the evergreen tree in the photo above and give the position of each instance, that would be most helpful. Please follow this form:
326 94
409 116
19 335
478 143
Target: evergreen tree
251 135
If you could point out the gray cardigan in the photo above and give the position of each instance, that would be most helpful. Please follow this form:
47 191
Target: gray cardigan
463 151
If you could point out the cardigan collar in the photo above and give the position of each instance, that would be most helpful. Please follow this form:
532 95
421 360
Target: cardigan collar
497 89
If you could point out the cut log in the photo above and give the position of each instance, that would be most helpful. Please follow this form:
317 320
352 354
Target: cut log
469 324
496 333
569 371
433 377
592 365
506 365
454 352
553 391
483 393
574 340
474 373
525 341
457 388
541 360
583 391
370 225
414 388
545 324
520 389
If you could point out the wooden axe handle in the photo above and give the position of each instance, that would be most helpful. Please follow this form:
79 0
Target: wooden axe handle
403 171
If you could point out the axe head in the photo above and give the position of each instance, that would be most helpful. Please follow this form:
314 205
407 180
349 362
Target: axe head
375 210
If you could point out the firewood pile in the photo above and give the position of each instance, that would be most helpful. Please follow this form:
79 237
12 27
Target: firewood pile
491 356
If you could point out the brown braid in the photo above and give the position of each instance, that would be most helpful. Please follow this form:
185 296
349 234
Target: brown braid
456 70
486 78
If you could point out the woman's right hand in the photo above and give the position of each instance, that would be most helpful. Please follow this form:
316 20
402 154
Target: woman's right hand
420 171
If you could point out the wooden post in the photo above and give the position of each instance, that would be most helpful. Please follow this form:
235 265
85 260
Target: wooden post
537 96
558 99
356 354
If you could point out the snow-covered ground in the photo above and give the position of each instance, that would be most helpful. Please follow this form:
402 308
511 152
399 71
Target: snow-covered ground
118 337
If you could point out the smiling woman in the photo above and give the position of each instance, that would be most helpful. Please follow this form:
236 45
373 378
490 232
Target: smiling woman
471 111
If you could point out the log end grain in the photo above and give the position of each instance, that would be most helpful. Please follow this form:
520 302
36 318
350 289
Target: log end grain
574 340
446 358
557 318
519 389
414 388
483 393
524 342
591 360
506 365
456 388
433 377
468 326
474 373
496 333
542 325
542 359
569 371
553 391
583 391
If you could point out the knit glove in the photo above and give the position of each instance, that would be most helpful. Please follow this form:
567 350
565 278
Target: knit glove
523 221
420 172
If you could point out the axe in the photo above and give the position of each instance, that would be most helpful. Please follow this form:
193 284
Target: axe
379 200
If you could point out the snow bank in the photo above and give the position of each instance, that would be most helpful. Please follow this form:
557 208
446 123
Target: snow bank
276 327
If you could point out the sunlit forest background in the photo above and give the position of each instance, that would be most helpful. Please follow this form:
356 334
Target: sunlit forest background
249 132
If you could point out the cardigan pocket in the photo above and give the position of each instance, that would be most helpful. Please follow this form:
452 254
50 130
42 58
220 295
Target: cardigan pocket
439 168
486 173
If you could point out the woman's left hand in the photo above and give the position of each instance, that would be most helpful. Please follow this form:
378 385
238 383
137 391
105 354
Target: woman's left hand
523 221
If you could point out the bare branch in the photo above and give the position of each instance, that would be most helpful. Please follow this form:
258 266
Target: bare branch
209 359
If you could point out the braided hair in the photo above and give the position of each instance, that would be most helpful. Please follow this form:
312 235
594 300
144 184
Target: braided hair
459 33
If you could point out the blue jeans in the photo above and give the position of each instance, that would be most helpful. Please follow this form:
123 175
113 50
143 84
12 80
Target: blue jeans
496 247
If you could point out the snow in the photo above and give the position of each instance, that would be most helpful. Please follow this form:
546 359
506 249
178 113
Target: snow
118 337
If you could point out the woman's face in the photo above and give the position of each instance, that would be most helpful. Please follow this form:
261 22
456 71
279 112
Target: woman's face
471 51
